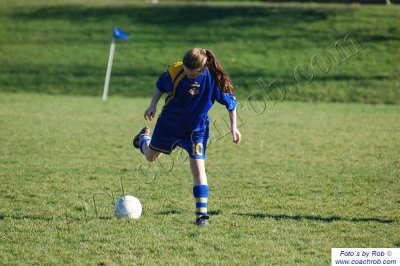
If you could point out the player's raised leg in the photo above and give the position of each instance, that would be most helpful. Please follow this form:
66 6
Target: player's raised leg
142 141
200 190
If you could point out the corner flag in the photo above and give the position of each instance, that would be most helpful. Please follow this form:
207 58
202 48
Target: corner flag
117 34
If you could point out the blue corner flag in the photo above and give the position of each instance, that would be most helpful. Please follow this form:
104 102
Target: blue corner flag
119 34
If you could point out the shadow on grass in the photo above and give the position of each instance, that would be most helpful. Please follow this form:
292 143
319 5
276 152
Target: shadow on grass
173 25
26 217
172 212
169 212
241 31
79 80
215 213
314 218
88 80
74 218
178 16
49 219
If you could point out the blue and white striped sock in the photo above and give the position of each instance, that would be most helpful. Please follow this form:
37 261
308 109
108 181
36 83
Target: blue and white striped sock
200 193
142 141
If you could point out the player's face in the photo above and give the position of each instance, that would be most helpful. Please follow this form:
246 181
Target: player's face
192 73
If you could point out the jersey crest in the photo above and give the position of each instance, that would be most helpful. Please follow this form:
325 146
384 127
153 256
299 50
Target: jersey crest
194 88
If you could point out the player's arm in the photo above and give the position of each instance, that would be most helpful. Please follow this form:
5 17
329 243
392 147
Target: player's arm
230 103
235 131
163 85
151 111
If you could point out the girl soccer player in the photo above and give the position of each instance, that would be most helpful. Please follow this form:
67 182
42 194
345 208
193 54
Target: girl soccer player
193 86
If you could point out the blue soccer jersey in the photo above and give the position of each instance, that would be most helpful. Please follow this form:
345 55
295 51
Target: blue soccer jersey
189 100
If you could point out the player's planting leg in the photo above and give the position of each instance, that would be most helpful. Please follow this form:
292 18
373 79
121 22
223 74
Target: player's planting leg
200 190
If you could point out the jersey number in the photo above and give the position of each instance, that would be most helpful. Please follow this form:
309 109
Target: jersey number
197 149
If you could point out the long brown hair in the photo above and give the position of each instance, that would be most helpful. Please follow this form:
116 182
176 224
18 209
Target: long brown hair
198 58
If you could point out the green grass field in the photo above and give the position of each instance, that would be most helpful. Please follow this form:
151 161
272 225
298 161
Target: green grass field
318 170
58 48
306 178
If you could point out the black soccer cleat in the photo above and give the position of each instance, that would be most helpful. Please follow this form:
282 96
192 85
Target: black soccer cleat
136 140
202 221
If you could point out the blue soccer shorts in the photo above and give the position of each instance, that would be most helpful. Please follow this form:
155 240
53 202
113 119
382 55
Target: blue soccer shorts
195 144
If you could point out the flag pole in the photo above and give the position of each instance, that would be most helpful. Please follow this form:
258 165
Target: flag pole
118 34
110 61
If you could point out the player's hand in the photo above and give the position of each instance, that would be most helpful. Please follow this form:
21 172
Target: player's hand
236 136
150 113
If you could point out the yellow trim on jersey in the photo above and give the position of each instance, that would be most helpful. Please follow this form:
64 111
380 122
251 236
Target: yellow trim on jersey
172 94
173 69
203 200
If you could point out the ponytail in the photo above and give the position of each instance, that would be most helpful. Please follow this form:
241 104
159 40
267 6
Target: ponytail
218 73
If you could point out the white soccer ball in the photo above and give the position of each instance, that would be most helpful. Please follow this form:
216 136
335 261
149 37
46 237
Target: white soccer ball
128 207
